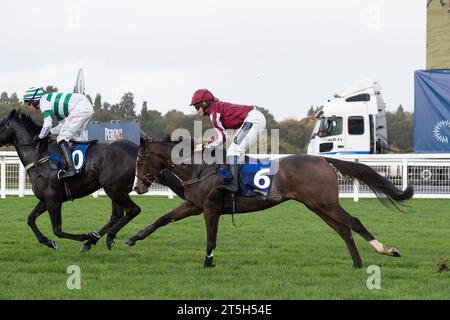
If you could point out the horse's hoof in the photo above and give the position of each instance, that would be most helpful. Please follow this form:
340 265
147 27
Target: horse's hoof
209 262
212 265
85 247
395 253
53 245
110 243
357 266
129 243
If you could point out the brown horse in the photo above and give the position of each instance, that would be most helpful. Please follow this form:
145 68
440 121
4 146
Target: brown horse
308 179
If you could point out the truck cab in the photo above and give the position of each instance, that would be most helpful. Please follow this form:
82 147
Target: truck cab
353 122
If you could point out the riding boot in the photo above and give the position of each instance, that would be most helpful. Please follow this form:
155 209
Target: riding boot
70 169
233 186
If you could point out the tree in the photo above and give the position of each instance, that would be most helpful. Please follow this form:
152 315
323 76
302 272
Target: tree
4 99
152 122
126 105
14 99
115 109
98 103
50 88
171 120
271 123
313 111
400 129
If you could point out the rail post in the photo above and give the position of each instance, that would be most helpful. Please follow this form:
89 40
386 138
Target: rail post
405 173
2 177
21 180
356 187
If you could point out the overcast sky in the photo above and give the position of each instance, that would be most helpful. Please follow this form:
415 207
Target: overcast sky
282 55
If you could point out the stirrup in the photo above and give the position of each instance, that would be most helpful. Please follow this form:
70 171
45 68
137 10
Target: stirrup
61 173
229 187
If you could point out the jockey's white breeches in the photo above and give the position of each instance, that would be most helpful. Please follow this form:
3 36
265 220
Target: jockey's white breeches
73 126
245 136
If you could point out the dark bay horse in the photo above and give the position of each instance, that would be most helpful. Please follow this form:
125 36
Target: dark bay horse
308 179
111 166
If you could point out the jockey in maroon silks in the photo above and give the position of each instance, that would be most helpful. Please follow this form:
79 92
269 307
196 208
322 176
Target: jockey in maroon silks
224 115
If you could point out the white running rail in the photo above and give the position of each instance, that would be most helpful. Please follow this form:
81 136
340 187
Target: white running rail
429 174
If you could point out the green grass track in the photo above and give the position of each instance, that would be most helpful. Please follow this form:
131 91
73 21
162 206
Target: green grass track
286 252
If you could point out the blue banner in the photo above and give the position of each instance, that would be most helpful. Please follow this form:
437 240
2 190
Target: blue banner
432 111
111 131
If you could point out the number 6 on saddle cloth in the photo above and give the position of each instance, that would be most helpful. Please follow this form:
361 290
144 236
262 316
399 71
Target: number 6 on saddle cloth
255 177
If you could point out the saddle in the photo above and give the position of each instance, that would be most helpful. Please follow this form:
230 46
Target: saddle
54 149
255 176
79 154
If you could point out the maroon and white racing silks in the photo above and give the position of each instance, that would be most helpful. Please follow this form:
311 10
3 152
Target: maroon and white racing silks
225 115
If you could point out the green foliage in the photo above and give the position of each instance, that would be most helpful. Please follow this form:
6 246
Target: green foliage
126 105
13 99
313 110
4 99
271 123
400 130
49 89
152 122
294 134
98 103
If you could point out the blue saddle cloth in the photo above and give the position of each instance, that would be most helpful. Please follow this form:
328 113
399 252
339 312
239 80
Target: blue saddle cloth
79 156
255 178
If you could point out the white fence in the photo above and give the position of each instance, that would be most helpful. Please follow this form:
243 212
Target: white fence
15 181
429 174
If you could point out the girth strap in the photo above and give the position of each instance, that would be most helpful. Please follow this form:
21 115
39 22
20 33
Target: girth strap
31 165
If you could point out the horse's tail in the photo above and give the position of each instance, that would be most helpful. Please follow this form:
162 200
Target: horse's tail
385 191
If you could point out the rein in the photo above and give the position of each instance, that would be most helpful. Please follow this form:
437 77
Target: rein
148 179
196 180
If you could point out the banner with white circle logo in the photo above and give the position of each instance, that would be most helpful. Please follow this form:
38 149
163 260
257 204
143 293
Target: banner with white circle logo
432 111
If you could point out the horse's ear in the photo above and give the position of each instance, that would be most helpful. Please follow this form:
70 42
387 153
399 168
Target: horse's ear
145 137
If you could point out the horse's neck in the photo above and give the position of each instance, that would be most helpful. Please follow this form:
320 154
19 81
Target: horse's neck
185 172
27 154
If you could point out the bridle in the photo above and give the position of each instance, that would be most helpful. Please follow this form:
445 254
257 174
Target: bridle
5 122
148 179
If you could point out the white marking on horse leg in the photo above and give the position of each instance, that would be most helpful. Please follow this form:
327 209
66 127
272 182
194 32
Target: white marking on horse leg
211 255
378 246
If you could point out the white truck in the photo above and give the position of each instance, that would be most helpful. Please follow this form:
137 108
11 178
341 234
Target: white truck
353 122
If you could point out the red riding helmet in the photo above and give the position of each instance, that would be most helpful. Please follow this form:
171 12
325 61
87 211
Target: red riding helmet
201 95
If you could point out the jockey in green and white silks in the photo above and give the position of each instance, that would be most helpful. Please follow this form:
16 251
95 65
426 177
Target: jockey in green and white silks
72 110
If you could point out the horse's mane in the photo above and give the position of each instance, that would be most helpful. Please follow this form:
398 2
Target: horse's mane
24 118
167 141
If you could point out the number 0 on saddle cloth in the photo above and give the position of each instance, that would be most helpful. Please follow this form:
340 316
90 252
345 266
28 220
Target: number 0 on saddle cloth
79 156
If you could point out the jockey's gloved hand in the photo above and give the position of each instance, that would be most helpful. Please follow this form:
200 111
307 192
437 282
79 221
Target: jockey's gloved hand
36 138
